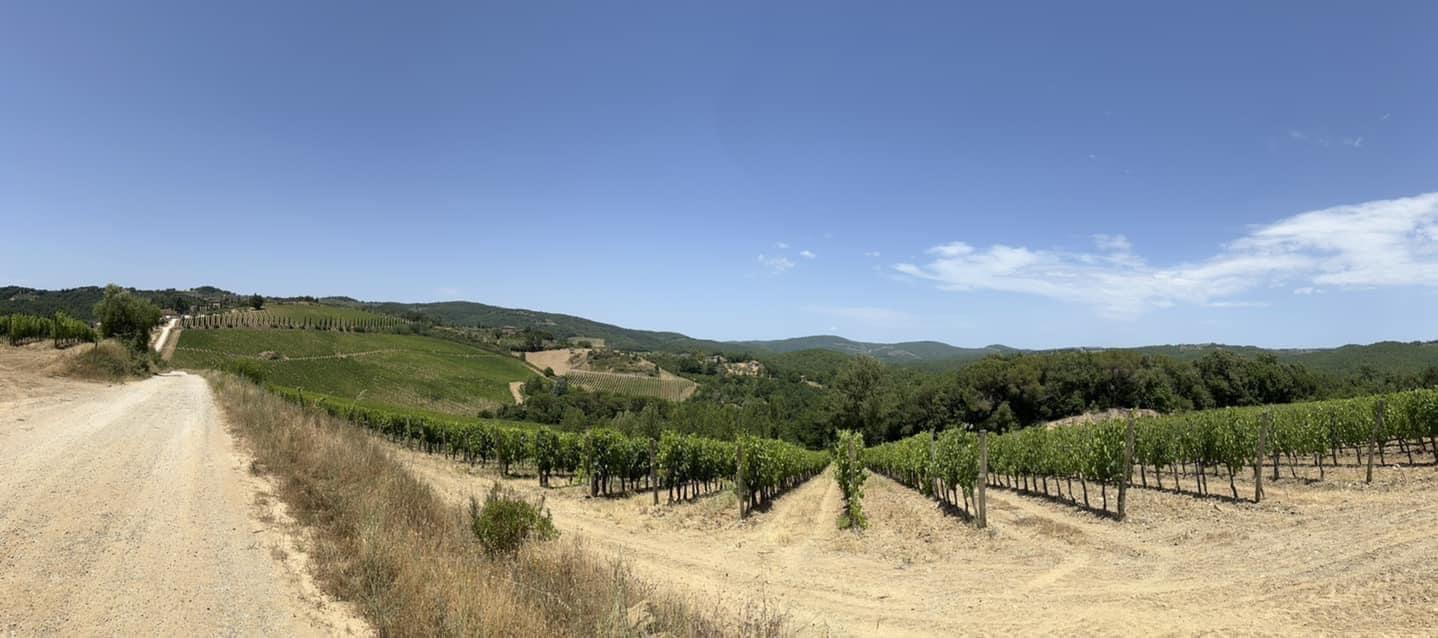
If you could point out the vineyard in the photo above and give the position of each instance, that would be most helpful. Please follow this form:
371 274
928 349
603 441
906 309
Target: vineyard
610 462
61 329
403 371
298 317
850 473
1222 443
671 388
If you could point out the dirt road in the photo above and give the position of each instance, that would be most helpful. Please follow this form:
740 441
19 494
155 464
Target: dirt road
1315 558
163 339
126 510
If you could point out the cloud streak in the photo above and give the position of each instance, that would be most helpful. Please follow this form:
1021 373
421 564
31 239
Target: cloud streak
776 264
1381 243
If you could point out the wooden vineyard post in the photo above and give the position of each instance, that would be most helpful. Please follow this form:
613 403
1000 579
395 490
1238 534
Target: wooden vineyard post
654 469
1127 468
739 478
983 479
1258 458
1373 437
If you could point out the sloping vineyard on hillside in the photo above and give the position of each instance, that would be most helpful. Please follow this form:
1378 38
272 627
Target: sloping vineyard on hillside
671 389
610 461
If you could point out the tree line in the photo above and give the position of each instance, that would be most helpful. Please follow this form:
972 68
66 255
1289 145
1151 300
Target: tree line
999 393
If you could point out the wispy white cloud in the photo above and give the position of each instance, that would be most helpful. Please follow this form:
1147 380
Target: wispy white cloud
1379 243
807 254
1307 290
781 245
872 253
775 264
447 292
1237 304
1324 139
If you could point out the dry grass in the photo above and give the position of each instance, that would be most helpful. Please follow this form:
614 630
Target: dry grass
387 542
108 361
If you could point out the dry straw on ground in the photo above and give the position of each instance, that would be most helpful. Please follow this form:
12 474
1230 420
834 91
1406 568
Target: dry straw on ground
387 542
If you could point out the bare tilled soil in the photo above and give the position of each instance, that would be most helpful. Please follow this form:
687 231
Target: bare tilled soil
126 510
1335 556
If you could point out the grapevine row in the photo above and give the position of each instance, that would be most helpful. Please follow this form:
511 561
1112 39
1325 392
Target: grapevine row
850 474
64 330
612 462
674 389
265 319
1234 440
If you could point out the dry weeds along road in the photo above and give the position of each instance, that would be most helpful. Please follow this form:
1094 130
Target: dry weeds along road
126 510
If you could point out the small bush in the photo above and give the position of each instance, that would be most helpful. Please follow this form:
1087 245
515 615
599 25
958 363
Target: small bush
548 371
248 370
108 360
506 522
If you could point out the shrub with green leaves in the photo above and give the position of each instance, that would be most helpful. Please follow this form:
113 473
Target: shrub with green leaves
505 522
126 317
247 369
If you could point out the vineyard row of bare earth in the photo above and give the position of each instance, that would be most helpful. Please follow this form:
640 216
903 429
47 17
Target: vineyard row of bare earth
1336 556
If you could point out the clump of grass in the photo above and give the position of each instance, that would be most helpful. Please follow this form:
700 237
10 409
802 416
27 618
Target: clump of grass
412 563
505 522
108 360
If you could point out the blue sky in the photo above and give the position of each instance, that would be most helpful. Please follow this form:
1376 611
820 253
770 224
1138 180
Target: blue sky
1035 175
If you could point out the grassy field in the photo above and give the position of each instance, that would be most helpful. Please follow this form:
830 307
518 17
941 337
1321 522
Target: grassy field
378 369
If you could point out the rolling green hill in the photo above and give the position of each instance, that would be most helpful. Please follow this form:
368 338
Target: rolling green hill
406 371
470 314
901 353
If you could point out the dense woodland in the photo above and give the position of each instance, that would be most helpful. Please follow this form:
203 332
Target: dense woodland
808 397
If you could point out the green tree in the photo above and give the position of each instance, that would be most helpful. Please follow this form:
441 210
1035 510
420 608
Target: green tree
862 399
256 301
126 317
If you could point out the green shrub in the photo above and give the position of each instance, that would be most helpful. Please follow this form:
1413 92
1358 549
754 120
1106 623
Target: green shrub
506 522
246 369
108 361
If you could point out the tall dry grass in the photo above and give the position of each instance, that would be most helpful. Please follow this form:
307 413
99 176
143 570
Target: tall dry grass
107 360
387 542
